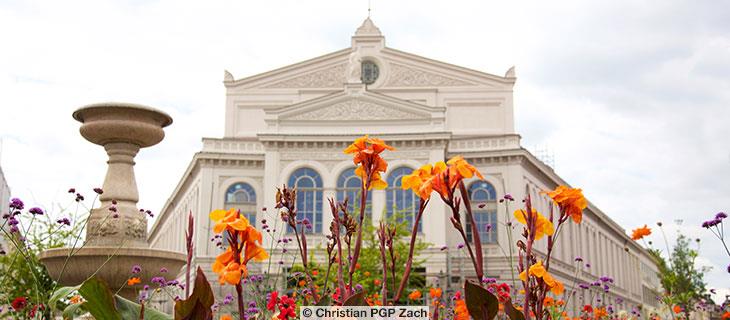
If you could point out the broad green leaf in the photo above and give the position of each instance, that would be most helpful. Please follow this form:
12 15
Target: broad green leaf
482 304
197 306
59 294
99 300
130 310
70 311
512 312
356 300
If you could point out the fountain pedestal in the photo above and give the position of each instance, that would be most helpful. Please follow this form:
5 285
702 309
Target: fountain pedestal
116 243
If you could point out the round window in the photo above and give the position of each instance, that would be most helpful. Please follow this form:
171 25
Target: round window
369 72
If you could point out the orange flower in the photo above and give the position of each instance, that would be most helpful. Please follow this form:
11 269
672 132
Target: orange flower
228 220
570 201
133 281
367 273
435 292
75 299
600 312
726 315
415 295
367 156
678 309
441 177
377 282
460 310
226 317
302 283
548 302
315 272
418 178
244 245
639 233
542 227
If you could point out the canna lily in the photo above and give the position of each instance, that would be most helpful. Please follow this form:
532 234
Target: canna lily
640 233
366 152
419 178
460 310
244 245
543 225
570 201
228 220
441 177
435 292
133 281
537 270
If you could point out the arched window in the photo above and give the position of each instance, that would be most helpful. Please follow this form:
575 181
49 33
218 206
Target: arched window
482 193
309 196
404 203
242 197
349 186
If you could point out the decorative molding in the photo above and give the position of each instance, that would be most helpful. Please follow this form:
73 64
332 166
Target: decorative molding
355 109
403 76
333 77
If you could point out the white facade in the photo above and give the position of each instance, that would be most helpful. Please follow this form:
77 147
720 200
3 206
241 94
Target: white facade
4 204
305 114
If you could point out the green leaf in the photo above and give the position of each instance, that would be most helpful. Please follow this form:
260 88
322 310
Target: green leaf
482 304
198 305
131 310
356 300
59 294
99 300
70 311
512 312
324 302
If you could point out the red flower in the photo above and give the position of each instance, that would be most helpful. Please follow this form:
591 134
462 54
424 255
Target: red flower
287 308
19 303
272 301
588 308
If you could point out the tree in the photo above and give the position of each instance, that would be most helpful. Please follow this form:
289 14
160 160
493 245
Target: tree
681 279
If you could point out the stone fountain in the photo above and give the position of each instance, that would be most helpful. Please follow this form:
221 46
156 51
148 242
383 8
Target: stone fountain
122 129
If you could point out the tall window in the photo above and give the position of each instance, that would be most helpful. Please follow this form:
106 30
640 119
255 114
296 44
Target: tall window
349 186
483 194
309 196
241 196
403 203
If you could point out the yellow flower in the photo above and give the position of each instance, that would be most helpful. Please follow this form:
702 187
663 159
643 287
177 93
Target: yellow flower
537 270
465 169
228 220
419 178
244 245
543 226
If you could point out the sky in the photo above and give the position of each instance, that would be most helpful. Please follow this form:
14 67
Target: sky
631 97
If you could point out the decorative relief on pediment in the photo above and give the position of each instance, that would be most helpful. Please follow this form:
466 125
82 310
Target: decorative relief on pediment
355 110
403 76
333 77
337 156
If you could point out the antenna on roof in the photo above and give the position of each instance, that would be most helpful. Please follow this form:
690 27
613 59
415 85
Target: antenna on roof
369 6
544 154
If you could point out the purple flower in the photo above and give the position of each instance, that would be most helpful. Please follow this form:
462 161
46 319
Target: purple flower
79 197
114 202
98 190
460 246
228 299
728 268
509 197
444 248
113 208
64 221
583 286
13 222
36 211
489 280
606 279
136 269
16 204
358 287
578 259
14 229
163 270
72 190
488 227
115 215
720 216
588 265
159 280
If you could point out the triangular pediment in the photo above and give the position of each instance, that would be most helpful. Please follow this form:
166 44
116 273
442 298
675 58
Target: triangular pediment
359 107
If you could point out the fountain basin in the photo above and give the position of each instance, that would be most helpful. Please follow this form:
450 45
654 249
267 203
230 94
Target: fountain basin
117 270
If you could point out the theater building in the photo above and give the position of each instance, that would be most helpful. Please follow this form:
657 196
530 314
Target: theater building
290 125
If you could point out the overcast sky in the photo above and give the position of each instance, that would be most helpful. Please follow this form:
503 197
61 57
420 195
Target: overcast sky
632 97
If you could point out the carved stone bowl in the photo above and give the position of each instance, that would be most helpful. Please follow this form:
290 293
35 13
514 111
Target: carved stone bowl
109 122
